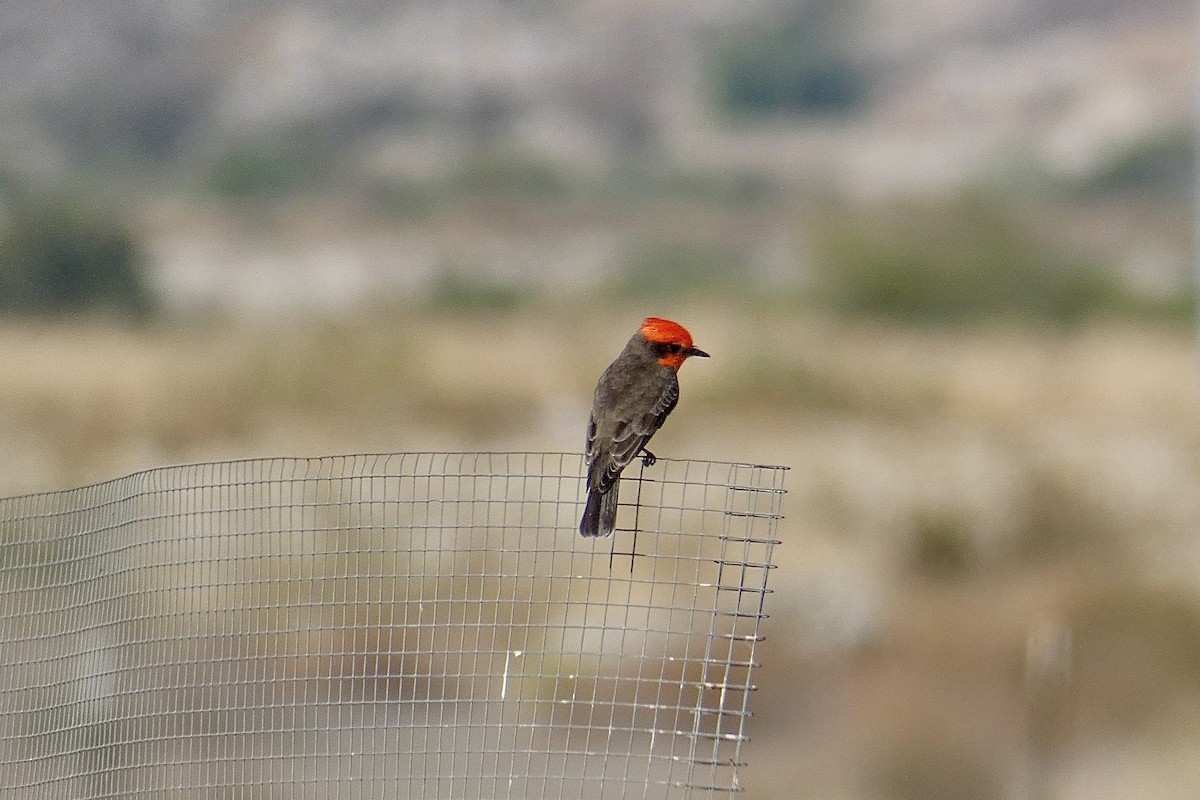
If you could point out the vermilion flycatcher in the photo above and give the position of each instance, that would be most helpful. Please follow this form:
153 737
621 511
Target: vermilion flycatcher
633 397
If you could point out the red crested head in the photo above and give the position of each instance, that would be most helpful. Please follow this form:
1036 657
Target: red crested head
663 331
670 341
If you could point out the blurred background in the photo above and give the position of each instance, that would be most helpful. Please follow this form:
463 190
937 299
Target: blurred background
941 254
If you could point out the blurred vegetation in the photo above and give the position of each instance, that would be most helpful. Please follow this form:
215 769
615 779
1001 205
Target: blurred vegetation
961 260
944 546
60 255
736 188
457 292
673 267
1158 165
401 197
796 64
510 174
496 179
266 169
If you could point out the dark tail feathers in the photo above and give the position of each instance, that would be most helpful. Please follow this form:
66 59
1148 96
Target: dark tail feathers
600 514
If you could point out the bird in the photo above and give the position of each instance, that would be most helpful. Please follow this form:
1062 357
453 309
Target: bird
633 397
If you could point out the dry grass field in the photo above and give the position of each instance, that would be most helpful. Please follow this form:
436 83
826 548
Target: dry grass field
986 587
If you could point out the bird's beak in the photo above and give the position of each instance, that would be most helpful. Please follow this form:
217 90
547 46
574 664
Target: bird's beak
696 351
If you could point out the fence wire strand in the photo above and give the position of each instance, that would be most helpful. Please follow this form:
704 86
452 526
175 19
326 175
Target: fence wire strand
369 626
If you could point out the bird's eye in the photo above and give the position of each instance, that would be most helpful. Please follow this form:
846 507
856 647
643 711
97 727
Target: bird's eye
676 347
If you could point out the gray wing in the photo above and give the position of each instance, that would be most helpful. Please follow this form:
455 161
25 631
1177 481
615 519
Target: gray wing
605 463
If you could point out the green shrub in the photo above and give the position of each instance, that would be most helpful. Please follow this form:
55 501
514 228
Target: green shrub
677 267
943 546
960 261
737 189
1163 163
457 290
401 197
511 175
268 168
60 256
792 65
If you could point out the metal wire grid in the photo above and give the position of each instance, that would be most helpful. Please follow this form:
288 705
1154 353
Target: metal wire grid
382 626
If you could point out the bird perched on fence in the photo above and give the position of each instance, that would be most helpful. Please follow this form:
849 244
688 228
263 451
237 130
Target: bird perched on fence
633 397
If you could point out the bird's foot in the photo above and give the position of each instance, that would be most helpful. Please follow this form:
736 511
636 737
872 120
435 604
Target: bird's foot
648 458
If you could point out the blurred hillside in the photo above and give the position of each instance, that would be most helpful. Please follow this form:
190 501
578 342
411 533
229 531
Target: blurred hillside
290 153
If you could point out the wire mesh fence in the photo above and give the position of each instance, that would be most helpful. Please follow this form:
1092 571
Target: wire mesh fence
382 626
